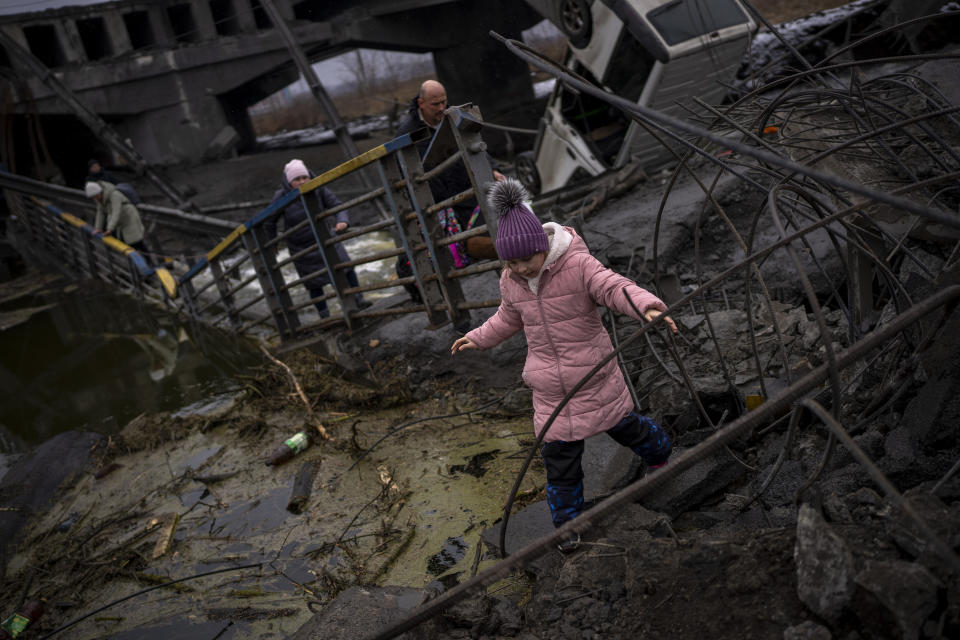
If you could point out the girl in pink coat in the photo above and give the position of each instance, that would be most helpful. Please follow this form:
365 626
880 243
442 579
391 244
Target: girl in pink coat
550 288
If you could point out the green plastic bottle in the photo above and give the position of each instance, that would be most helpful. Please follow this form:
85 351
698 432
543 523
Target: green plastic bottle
15 624
291 447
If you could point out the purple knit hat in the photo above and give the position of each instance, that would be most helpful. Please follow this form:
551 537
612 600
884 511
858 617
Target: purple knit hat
519 232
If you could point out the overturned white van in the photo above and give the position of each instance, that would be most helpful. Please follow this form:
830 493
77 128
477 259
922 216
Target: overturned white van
659 53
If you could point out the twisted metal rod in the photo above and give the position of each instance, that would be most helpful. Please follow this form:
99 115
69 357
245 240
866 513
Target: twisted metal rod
613 505
945 551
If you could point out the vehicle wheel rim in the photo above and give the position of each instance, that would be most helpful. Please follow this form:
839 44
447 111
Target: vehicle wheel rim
527 173
572 17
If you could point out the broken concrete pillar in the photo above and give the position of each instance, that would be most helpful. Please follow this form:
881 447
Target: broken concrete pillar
223 144
160 25
825 578
204 19
117 31
161 135
241 11
15 32
894 598
70 41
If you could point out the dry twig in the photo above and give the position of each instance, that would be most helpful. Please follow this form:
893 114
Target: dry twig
296 383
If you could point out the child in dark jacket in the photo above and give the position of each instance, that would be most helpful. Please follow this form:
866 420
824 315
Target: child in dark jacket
550 288
295 173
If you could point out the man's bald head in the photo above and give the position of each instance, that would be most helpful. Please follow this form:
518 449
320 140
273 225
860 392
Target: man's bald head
432 100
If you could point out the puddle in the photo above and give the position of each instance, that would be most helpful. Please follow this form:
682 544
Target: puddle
476 467
454 549
265 513
181 630
401 517
92 361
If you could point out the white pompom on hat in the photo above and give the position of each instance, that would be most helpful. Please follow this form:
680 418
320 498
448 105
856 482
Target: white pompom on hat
92 189
294 169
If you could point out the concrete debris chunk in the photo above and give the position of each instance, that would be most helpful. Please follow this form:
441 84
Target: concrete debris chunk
825 571
895 597
942 519
808 630
695 486
360 612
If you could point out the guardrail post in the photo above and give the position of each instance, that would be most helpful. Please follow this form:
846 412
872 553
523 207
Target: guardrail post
110 273
72 242
135 277
189 296
90 251
421 198
321 233
225 294
271 281
409 235
466 128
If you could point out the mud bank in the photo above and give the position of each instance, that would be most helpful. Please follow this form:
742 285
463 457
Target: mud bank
778 533
399 496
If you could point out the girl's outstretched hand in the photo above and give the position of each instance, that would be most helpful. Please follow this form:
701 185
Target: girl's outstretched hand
653 314
462 343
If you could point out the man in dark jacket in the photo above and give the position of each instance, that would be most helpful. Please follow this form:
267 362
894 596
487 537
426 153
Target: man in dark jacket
296 173
426 110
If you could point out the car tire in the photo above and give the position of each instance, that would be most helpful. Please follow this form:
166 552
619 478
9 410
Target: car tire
527 173
576 21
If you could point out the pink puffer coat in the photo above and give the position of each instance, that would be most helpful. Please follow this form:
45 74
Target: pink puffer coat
566 339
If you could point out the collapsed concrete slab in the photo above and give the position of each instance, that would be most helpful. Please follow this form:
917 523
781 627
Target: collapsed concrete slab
696 486
360 612
525 526
894 598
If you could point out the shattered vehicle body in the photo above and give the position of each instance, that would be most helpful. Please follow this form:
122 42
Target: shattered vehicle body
659 54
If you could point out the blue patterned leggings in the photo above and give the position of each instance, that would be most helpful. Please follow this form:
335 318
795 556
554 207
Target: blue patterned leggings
565 473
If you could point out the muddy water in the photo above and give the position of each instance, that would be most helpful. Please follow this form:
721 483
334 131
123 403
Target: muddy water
409 512
77 357
190 456
368 273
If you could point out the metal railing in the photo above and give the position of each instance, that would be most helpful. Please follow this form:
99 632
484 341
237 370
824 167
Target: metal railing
245 283
48 234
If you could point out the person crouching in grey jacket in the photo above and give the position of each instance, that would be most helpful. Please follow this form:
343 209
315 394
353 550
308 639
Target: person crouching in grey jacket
116 215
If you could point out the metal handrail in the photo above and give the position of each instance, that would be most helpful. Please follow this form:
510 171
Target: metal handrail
240 279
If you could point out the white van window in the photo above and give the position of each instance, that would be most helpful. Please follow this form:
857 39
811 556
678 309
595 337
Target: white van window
629 67
601 125
685 19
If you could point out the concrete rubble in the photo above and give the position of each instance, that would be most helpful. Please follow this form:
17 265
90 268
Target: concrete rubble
798 528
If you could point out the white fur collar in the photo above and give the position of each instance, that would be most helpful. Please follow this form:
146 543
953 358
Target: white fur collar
560 240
